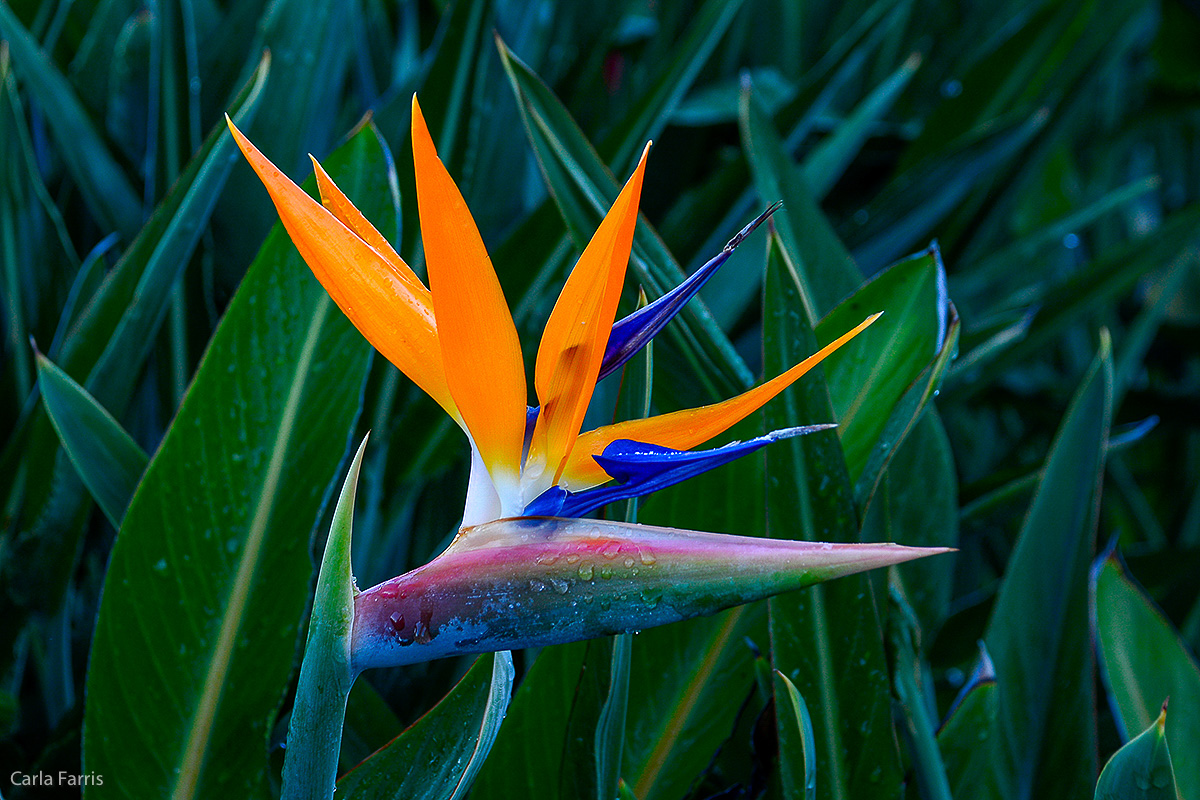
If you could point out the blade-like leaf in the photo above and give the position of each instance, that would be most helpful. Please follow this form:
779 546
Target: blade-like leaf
107 459
829 640
1144 661
438 757
210 576
1037 635
798 761
104 183
319 711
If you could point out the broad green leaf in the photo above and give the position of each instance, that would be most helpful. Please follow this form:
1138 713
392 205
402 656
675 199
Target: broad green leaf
314 736
1141 770
107 189
210 574
828 639
1038 633
1144 662
583 189
797 761
107 459
438 757
869 375
594 736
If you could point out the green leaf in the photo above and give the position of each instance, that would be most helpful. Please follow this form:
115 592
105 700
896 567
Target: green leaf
1141 770
828 161
209 577
107 459
797 760
1144 661
828 639
622 146
318 714
1038 632
439 756
527 757
869 375
595 731
967 737
54 502
821 261
583 188
104 184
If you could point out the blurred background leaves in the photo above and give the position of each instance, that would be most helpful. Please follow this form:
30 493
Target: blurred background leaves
1050 148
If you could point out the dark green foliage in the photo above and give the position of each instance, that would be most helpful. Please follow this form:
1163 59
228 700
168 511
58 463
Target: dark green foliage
1050 150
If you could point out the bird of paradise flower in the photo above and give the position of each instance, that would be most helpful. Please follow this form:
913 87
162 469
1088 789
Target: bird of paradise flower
526 569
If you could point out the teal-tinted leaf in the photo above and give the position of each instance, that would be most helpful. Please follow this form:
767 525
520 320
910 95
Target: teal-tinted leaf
370 724
107 459
314 736
718 102
105 185
1141 770
1144 662
968 738
210 574
828 639
1038 632
438 757
797 751
869 375
914 709
821 261
583 189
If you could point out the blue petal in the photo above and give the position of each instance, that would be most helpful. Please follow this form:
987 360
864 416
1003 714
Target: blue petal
633 332
641 468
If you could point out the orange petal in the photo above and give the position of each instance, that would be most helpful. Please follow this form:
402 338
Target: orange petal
394 315
576 334
480 351
683 430
340 206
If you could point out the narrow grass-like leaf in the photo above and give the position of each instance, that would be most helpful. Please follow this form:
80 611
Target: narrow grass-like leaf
438 757
105 185
1141 770
107 459
210 574
968 738
318 714
1144 661
1038 632
797 765
821 261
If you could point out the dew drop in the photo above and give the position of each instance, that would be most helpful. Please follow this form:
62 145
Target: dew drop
585 571
628 562
560 586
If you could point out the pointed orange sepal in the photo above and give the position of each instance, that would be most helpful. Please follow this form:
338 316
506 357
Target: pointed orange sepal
683 430
394 315
480 351
336 202
573 342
